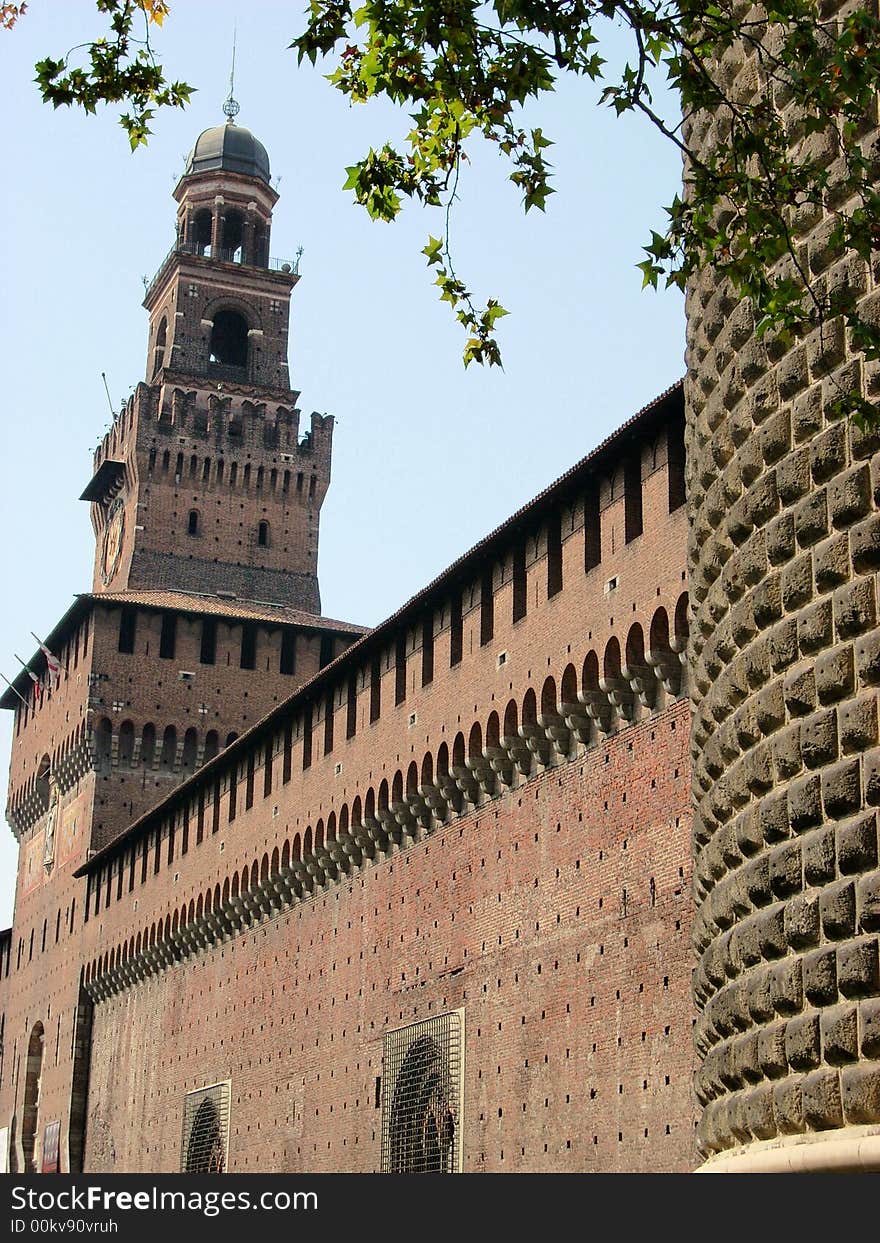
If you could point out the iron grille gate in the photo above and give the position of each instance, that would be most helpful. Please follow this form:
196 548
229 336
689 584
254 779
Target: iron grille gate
205 1145
422 1096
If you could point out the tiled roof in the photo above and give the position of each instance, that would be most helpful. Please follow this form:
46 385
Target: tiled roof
182 602
226 606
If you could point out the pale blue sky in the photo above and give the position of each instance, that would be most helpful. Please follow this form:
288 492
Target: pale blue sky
427 457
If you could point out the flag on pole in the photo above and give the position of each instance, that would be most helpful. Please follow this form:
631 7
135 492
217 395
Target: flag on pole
52 661
38 685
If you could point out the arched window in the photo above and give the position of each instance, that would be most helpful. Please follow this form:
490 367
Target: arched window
190 747
159 348
33 1075
126 743
169 748
103 744
43 780
231 237
263 535
422 1122
212 744
202 231
229 340
148 745
192 525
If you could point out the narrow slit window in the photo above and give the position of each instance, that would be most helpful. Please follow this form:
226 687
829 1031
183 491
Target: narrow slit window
428 650
520 582
554 555
487 608
632 503
168 637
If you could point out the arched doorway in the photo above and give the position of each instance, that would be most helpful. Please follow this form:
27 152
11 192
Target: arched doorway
422 1129
206 1150
31 1110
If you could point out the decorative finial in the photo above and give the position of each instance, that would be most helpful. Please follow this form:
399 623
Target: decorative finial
231 107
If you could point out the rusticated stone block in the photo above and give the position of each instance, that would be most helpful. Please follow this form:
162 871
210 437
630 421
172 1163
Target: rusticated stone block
737 1120
868 658
860 1089
819 739
762 499
841 789
837 909
788 1106
865 545
782 644
858 969
797 583
835 676
864 441
775 437
747 827
811 518
849 496
766 603
869 1026
857 723
758 769
787 752
805 803
815 628
803 1049
799 691
823 1110
747 1058
819 970
759 1112
831 565
757 880
793 373
828 453
868 900
786 986
770 708
857 843
739 521
774 817
855 608
819 857
771 933
785 868
802 922
780 539
758 996
840 1030
771 1051
744 944
806 416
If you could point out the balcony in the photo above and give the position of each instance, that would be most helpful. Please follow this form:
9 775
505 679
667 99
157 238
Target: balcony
290 266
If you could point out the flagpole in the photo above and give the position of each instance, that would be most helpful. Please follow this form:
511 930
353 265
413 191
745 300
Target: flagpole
38 685
14 691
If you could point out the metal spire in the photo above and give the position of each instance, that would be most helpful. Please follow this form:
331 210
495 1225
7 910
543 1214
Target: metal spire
231 107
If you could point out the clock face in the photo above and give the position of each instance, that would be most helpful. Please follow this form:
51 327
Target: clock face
113 539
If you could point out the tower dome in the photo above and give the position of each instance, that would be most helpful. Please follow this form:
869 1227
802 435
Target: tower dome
230 147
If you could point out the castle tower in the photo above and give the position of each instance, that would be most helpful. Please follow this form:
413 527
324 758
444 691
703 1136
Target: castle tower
203 485
784 507
204 613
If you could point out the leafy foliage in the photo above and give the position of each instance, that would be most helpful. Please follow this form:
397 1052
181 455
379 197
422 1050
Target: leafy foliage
120 68
776 108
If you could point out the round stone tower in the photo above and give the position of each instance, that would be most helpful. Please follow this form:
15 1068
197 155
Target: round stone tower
785 661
